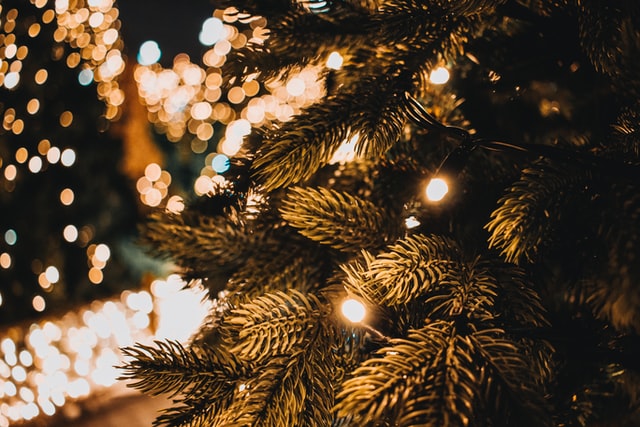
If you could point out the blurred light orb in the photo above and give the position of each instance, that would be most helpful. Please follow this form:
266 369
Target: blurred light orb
439 76
52 274
353 310
212 31
70 233
11 237
296 86
220 163
11 80
68 157
102 253
38 303
85 77
175 204
437 189
149 53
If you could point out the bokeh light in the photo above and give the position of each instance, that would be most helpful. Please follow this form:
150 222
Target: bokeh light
149 53
49 363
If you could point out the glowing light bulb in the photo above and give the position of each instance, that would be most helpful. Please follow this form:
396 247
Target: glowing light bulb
334 61
439 76
437 189
353 310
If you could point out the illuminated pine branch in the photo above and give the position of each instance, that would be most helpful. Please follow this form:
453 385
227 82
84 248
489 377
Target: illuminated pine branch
290 349
208 245
627 131
297 35
336 218
296 268
274 323
427 398
408 270
193 412
282 392
469 292
308 142
524 221
170 368
438 376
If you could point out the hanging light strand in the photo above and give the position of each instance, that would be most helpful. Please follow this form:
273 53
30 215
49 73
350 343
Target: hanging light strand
456 160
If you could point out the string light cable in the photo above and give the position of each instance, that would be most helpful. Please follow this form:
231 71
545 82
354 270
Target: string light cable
455 161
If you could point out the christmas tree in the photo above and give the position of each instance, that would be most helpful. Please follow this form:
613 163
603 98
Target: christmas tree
351 292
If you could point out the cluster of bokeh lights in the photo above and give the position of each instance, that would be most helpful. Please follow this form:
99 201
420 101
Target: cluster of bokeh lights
49 364
188 104
89 27
86 38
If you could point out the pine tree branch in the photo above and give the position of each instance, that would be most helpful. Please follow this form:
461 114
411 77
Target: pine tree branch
293 384
511 375
296 37
337 219
204 246
518 300
426 379
194 412
170 368
469 292
524 220
626 135
296 267
604 27
274 323
308 142
406 271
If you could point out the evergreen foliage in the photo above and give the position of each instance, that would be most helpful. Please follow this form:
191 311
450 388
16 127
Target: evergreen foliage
512 302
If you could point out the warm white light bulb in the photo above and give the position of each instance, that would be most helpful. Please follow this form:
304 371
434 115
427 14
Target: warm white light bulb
353 310
334 61
437 189
439 76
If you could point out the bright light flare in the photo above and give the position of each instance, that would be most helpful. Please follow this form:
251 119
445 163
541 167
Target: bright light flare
439 76
353 310
334 61
437 189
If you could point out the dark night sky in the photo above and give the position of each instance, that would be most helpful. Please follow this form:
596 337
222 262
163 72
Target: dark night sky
173 24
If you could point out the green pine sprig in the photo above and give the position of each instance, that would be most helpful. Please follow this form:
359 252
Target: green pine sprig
335 218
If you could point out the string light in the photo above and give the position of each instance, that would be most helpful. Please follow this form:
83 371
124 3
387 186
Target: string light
149 53
334 61
456 160
353 310
439 76
346 152
437 189
411 222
